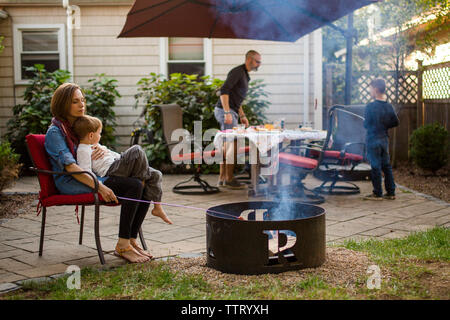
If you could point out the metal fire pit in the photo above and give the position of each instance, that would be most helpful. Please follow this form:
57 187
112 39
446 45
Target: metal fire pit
274 237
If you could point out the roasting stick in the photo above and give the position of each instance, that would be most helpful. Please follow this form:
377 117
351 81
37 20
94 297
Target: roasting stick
181 206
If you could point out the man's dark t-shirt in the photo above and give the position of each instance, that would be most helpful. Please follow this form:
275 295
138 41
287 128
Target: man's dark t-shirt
379 117
236 86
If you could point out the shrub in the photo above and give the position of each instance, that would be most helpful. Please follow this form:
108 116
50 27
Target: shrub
34 116
430 146
101 97
197 97
9 165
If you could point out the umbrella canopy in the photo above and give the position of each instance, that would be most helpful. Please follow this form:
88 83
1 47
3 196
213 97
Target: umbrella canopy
280 20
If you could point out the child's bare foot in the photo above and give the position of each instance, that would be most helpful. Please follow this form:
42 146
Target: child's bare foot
139 249
158 211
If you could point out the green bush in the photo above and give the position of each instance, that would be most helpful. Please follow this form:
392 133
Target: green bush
430 146
9 165
34 116
101 97
197 97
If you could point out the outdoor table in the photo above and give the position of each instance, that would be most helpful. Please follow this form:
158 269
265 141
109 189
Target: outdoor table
264 144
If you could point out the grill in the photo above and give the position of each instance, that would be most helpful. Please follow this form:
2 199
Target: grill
272 237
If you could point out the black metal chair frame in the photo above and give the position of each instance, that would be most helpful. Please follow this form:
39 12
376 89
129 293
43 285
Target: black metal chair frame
335 171
171 113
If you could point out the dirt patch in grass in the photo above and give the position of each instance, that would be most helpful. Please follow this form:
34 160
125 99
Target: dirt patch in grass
343 268
434 277
412 177
12 205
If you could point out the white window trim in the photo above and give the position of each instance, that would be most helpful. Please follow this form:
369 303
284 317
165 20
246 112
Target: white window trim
17 34
164 51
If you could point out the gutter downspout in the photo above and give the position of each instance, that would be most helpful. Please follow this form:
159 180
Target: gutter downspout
70 25
306 81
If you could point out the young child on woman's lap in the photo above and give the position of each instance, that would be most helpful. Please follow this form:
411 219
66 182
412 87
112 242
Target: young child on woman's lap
88 129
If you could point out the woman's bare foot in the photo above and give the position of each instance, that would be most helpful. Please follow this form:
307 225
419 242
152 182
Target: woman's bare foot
158 211
141 251
126 251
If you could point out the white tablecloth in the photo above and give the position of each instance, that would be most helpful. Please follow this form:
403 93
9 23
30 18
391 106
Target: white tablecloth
266 140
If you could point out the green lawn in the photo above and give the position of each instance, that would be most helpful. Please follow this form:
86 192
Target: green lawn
415 267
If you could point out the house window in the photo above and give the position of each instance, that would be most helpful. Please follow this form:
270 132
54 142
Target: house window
185 55
38 44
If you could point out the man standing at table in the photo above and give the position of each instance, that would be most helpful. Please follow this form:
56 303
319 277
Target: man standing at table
229 109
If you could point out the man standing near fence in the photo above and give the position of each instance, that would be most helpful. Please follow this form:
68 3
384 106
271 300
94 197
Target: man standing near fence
379 117
229 109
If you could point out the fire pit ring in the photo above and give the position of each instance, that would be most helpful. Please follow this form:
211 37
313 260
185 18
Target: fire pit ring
272 237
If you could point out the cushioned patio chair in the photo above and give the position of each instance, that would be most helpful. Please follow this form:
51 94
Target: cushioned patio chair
49 195
298 167
343 153
171 120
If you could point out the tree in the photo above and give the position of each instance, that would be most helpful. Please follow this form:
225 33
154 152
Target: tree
388 52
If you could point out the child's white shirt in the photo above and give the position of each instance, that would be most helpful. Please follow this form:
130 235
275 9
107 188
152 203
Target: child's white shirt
100 166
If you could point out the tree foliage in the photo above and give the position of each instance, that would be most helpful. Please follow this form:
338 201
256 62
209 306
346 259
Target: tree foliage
389 52
34 115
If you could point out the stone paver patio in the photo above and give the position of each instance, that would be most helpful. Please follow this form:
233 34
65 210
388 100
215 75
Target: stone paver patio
346 217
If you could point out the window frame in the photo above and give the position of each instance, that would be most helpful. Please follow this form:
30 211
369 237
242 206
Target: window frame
18 46
164 56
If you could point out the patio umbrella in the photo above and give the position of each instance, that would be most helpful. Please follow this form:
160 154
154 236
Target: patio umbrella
280 20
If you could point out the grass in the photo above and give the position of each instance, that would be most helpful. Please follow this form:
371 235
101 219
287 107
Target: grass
415 267
433 244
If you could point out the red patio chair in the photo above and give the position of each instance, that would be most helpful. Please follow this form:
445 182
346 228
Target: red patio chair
298 167
171 120
49 195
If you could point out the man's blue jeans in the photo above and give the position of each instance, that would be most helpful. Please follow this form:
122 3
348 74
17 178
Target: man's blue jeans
378 155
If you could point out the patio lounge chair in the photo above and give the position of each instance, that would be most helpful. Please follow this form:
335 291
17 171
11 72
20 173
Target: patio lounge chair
49 195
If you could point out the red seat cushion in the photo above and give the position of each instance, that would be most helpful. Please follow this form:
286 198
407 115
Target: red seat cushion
297 161
212 153
337 155
186 156
244 149
347 156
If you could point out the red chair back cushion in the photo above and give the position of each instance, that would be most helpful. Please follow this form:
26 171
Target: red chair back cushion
41 160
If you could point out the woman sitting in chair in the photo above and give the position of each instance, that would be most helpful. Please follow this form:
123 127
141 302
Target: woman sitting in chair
68 104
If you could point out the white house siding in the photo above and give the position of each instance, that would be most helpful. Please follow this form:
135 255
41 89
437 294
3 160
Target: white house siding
9 92
97 49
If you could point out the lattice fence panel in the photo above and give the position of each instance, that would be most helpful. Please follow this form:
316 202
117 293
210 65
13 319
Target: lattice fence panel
403 91
436 83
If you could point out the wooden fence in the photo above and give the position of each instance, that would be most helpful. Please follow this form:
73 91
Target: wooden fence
419 97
